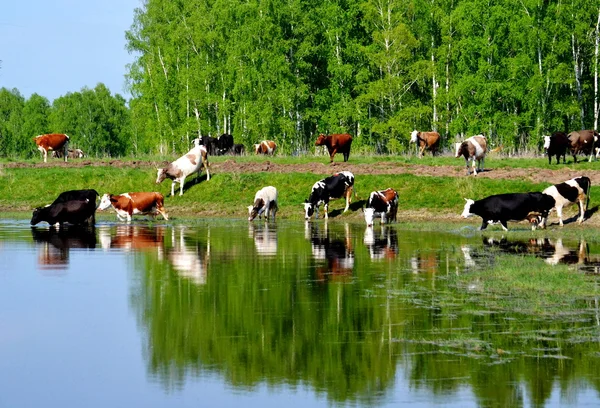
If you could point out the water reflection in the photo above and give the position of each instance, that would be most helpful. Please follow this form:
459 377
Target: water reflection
132 238
265 238
383 245
54 244
334 256
553 251
189 260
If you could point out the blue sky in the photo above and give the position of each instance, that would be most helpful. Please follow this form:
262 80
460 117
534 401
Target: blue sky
55 47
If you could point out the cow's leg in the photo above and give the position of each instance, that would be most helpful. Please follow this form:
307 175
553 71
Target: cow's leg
474 166
467 165
484 224
383 218
66 151
482 162
44 154
348 198
267 211
332 154
326 210
206 168
504 225
581 210
559 213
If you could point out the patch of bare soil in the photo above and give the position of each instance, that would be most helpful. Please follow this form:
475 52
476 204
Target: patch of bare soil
553 176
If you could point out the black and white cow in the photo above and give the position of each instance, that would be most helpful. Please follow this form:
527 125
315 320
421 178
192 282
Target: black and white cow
339 185
73 207
502 208
570 192
384 203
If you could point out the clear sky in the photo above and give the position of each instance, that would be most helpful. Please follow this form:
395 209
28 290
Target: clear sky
55 47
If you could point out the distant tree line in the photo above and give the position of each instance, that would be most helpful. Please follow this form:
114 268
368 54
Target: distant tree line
288 70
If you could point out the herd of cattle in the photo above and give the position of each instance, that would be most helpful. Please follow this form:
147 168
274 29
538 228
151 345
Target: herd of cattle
79 206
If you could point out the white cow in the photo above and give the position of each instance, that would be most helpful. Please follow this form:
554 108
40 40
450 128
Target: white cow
265 202
189 163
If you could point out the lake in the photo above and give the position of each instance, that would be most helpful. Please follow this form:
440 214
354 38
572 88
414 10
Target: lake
229 313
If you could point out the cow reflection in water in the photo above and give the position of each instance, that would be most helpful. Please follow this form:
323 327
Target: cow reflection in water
190 261
265 238
553 252
336 252
383 245
136 238
55 244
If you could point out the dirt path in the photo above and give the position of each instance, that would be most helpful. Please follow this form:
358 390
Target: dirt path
557 175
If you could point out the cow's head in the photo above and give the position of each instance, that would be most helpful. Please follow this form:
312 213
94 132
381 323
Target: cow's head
321 140
467 210
104 202
161 174
459 148
413 136
546 142
309 210
37 215
369 216
256 209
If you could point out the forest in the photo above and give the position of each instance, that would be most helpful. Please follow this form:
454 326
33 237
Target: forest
288 70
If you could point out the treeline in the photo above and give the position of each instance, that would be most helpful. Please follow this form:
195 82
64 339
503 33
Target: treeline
96 121
288 70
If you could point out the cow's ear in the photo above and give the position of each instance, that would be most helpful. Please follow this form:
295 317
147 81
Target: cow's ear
466 199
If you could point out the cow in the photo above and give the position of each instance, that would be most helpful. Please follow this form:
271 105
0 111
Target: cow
339 185
238 149
191 162
502 208
336 143
426 141
72 154
556 145
210 143
473 149
128 204
384 203
73 207
570 192
53 141
224 144
265 203
265 147
583 141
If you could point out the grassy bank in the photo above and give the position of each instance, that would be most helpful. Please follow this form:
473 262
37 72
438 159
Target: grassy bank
228 193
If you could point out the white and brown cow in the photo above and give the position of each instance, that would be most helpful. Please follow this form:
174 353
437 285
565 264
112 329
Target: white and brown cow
192 162
53 141
265 203
336 143
265 147
473 149
339 185
128 204
570 192
384 203
426 141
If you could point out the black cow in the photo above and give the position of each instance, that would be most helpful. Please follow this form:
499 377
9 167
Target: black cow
336 186
238 149
557 145
502 208
224 144
73 207
211 145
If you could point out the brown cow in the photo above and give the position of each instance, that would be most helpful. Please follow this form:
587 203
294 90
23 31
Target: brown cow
54 141
265 147
129 204
583 141
336 143
426 141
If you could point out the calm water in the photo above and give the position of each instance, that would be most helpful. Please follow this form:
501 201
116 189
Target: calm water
226 313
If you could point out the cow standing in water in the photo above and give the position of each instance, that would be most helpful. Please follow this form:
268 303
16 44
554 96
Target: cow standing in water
128 204
384 203
54 141
336 143
473 149
583 141
426 141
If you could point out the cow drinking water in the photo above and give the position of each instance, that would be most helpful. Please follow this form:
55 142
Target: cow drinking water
70 207
265 202
339 185
384 203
